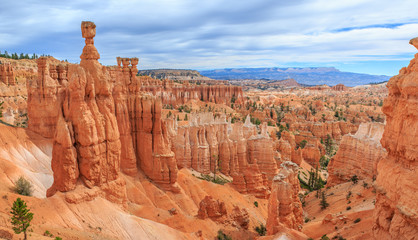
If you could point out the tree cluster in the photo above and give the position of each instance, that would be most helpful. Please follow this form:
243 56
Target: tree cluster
18 56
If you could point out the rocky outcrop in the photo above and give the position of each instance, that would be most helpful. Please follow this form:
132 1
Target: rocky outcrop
321 130
240 217
396 211
7 74
211 208
207 144
151 141
44 100
176 94
358 155
251 181
284 207
87 142
216 211
339 87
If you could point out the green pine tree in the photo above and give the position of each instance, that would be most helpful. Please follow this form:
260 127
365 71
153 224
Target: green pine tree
21 217
1 109
324 204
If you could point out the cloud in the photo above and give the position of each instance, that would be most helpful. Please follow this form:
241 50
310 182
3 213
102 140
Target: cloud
216 33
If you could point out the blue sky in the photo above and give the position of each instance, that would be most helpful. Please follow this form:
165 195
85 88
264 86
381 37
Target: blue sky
351 35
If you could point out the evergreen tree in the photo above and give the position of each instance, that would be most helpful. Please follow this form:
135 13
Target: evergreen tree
1 109
324 204
21 217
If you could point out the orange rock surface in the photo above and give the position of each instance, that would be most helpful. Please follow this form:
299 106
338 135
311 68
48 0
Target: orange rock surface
211 208
358 155
396 213
285 208
7 74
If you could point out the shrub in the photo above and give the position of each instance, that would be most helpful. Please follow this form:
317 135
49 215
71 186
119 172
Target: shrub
365 185
23 187
58 238
222 236
354 179
348 208
303 143
261 230
357 220
324 237
307 219
256 204
48 234
348 195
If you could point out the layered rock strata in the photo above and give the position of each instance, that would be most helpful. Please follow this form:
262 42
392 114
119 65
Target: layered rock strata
396 211
358 155
211 208
321 130
207 144
7 74
284 207
102 123
175 94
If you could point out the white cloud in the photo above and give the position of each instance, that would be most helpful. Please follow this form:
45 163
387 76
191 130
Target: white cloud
215 33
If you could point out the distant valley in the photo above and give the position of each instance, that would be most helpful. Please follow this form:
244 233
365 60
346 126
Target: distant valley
306 76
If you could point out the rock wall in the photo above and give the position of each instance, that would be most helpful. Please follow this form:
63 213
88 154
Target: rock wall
396 211
320 130
284 207
177 94
358 154
236 150
7 74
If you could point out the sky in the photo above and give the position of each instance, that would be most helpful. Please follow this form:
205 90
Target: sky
352 35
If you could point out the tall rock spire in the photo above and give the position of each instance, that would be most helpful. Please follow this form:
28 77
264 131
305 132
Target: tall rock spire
88 30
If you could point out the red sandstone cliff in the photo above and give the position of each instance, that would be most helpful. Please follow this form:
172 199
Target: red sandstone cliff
396 212
176 94
241 153
357 155
102 124
7 74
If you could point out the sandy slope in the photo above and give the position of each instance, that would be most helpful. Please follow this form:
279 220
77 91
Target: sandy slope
23 153
146 216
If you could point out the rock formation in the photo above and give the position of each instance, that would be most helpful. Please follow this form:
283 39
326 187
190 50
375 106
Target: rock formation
396 211
177 94
284 207
44 96
211 208
7 74
207 144
321 130
357 155
87 142
339 87
107 119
